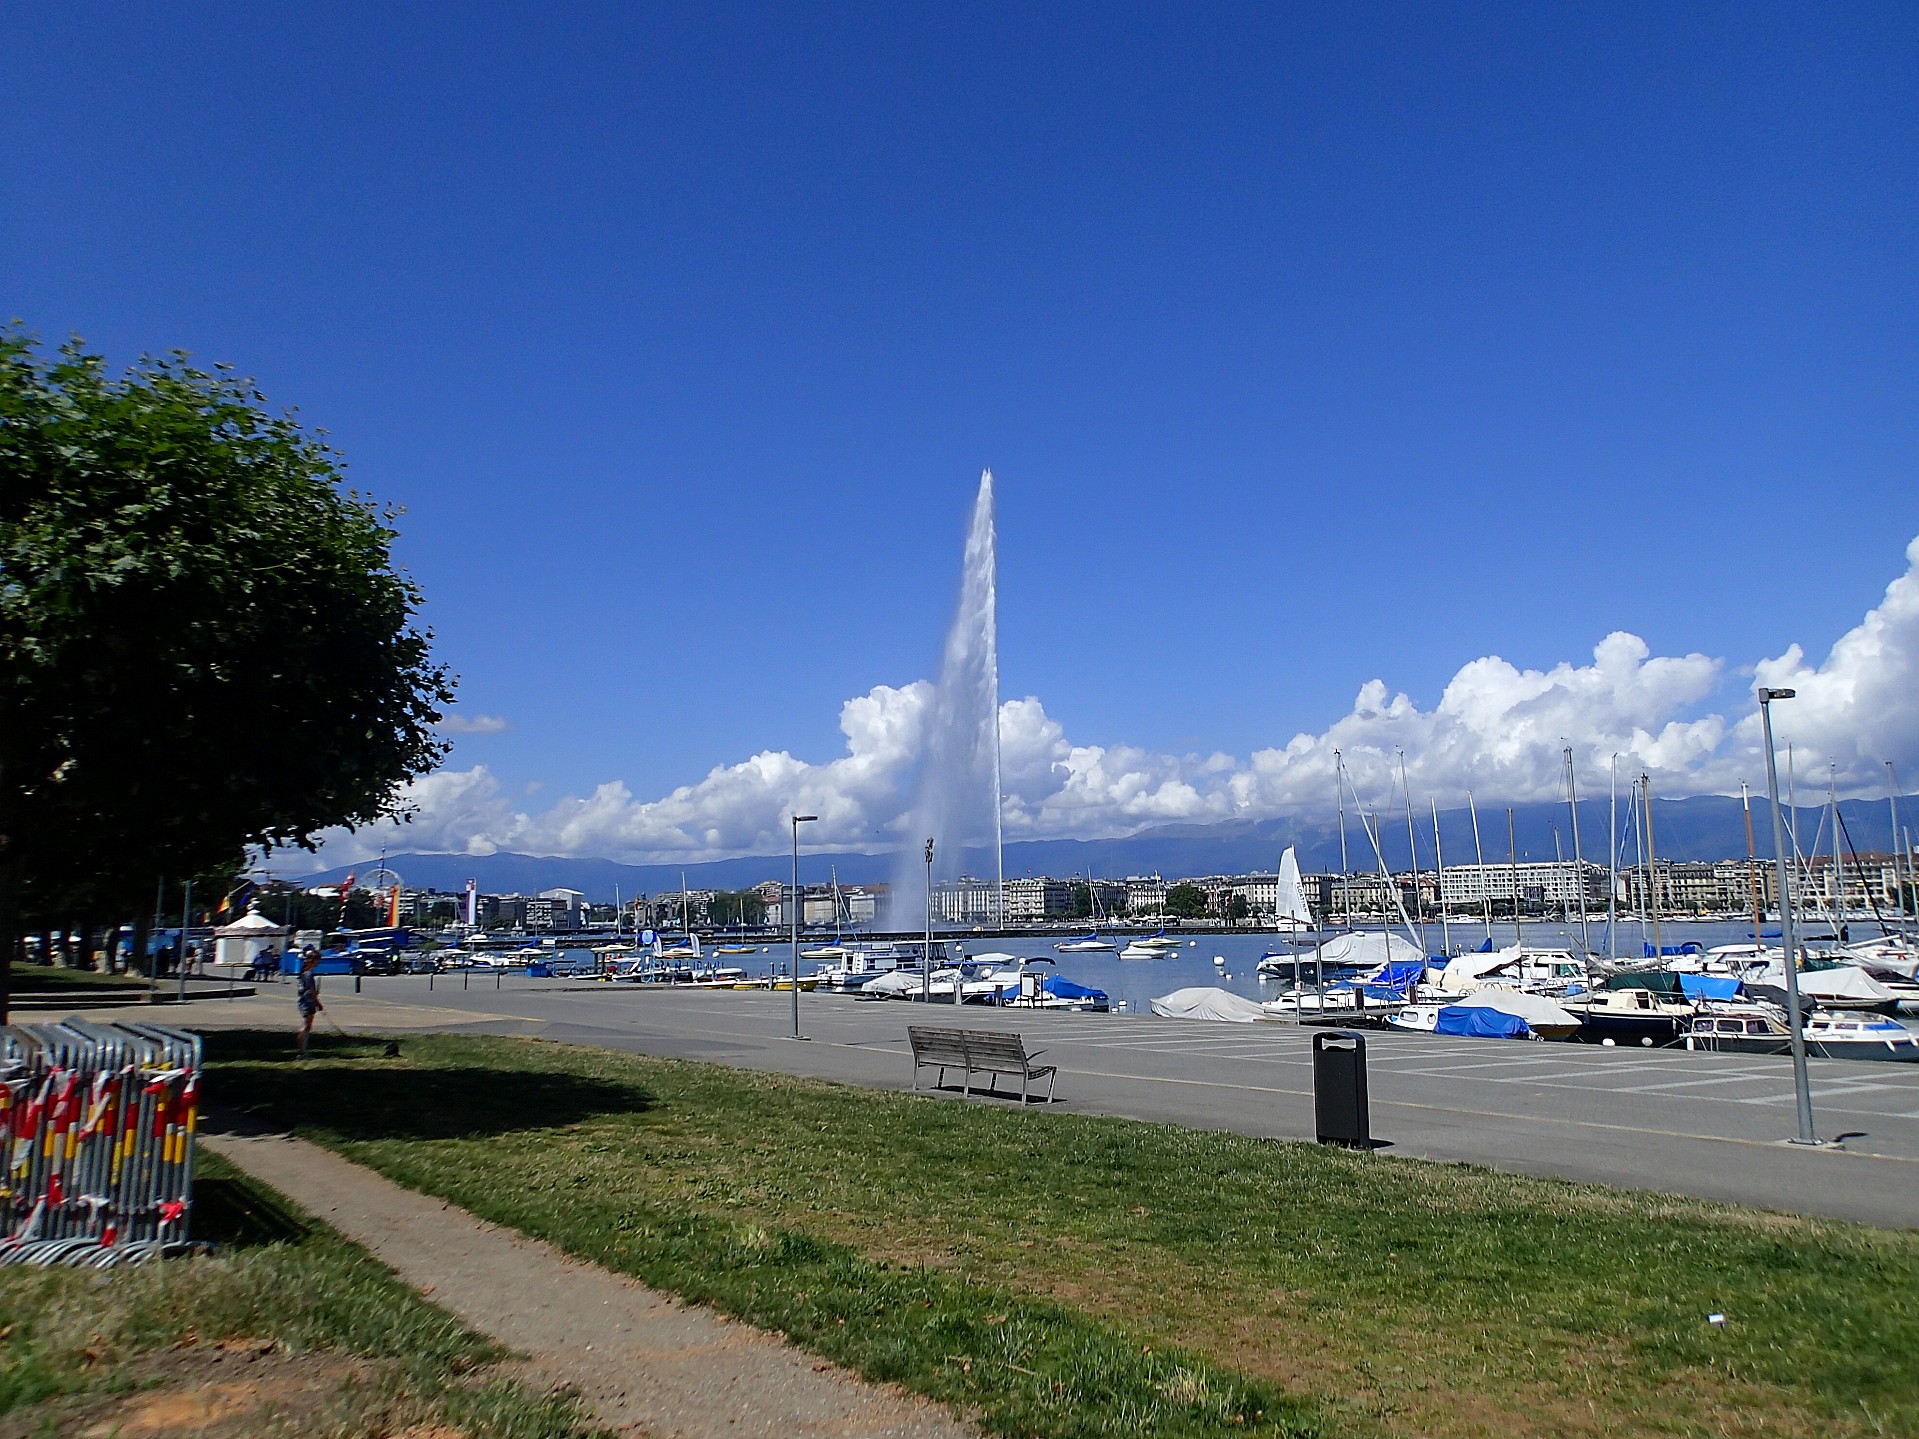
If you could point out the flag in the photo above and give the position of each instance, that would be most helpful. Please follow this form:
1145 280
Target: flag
238 895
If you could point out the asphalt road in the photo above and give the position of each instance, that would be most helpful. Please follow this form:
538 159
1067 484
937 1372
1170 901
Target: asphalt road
1707 1125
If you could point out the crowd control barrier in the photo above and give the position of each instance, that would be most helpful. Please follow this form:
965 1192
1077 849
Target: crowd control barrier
97 1124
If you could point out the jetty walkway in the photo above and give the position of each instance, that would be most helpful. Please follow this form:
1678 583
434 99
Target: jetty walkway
1700 1124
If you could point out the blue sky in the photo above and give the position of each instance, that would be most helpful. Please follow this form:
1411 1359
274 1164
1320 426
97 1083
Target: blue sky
1309 347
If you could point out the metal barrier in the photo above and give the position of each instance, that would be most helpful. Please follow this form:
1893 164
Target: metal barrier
96 1130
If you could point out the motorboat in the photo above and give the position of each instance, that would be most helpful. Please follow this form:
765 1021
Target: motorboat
1516 967
1359 949
1417 1018
1541 1016
825 951
1629 1016
1859 1036
1339 999
1739 1029
1090 944
1137 950
1052 991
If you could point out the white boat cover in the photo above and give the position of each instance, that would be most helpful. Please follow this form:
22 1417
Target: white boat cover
1537 1010
1465 970
895 982
1215 1004
1843 983
1364 949
1291 909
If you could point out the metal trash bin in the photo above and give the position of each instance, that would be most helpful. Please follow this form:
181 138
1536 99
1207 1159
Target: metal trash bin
1339 1089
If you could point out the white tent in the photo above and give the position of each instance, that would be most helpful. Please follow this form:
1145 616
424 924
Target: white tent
241 942
1216 1004
1542 1016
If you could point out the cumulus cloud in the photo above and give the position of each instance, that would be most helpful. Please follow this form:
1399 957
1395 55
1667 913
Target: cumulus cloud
1496 729
472 724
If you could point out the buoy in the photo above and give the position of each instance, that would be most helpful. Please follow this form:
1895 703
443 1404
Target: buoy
1646 1040
1219 961
1605 1044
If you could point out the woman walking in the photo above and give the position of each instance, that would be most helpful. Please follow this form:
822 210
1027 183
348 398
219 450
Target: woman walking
307 995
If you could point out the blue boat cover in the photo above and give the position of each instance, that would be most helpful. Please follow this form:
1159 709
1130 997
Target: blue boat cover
1477 1023
1061 988
1709 986
1398 974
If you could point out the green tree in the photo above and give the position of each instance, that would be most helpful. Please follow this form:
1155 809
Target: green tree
725 909
1082 902
204 645
1186 901
1237 907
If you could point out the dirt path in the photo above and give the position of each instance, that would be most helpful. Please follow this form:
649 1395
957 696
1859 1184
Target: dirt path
643 1363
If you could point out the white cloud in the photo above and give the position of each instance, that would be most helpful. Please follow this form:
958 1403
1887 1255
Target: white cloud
475 724
1496 729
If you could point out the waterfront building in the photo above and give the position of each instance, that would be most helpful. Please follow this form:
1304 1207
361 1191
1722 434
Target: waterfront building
965 900
1537 884
1038 897
1145 895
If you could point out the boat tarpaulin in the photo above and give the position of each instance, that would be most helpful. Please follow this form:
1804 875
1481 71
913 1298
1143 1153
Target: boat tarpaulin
1362 949
1478 1022
1207 1003
1709 986
1538 1011
1062 988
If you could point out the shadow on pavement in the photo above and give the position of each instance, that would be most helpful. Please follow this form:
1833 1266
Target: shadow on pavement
256 1084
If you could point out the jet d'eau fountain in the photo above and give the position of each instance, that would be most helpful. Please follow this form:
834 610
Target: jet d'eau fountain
957 791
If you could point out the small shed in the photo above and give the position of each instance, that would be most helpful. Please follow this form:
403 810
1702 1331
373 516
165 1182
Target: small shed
242 942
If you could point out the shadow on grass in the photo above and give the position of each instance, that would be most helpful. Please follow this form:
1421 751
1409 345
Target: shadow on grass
256 1077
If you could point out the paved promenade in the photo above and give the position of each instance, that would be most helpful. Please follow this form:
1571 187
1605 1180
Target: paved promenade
1709 1125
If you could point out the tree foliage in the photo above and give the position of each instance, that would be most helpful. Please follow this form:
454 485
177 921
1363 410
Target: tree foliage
726 908
1186 901
204 644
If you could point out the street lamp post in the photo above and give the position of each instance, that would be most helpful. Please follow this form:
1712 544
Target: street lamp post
1794 1023
926 958
798 820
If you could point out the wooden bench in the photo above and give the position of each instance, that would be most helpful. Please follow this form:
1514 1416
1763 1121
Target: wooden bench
990 1052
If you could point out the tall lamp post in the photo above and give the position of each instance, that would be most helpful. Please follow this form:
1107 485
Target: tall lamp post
1794 1023
798 820
926 959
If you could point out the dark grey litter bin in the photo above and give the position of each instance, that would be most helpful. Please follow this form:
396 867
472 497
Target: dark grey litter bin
1339 1089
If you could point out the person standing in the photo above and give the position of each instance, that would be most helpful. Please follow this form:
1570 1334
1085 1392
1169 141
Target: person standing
307 995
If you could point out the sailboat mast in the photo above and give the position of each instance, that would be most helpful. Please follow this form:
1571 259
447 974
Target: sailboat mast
1838 864
1345 869
1479 855
1579 858
1512 863
1901 866
1439 881
1412 846
1612 868
1652 865
1752 865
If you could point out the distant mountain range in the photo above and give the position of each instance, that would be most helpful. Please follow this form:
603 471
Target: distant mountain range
1703 827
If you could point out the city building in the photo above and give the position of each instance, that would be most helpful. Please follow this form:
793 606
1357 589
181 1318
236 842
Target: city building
1541 884
1033 898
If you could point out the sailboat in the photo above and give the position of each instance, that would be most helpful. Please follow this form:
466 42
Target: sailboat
1292 915
837 949
1089 943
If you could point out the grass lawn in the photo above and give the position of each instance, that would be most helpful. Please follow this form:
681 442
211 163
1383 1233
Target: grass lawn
290 1331
1061 1275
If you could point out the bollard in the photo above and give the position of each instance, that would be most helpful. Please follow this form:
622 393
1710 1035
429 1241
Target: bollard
356 981
1339 1089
